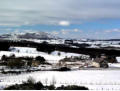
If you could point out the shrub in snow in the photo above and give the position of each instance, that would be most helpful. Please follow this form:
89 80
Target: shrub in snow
30 85
111 59
59 53
38 86
64 69
27 58
104 64
40 59
12 56
46 48
30 80
29 63
71 87
51 87
3 58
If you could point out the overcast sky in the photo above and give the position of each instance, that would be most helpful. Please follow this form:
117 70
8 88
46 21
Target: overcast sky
64 18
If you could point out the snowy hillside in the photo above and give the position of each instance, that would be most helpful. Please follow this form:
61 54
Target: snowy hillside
32 52
29 35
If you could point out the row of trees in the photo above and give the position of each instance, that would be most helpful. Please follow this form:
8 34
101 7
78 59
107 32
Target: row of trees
30 84
19 62
4 46
45 47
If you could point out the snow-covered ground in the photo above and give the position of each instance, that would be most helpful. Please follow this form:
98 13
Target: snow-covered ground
32 52
114 65
66 54
98 44
23 50
115 45
49 58
93 79
29 52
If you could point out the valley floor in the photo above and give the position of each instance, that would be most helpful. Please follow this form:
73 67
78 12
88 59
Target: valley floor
93 79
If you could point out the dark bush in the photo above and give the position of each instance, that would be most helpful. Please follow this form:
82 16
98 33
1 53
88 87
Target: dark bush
31 85
64 69
51 87
15 63
104 64
3 58
38 86
29 63
40 59
4 46
44 47
12 56
13 87
71 87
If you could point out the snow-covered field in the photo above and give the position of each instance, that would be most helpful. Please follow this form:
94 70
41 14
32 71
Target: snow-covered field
98 44
48 57
103 79
54 57
65 54
32 52
114 65
93 79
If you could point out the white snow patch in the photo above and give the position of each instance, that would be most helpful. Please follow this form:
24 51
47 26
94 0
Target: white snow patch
118 59
116 65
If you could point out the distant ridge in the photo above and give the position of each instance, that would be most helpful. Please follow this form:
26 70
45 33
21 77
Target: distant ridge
28 35
105 39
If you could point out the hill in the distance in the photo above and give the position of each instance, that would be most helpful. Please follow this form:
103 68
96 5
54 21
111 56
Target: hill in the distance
31 35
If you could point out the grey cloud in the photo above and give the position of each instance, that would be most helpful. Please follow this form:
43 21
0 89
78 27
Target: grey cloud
113 30
53 11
